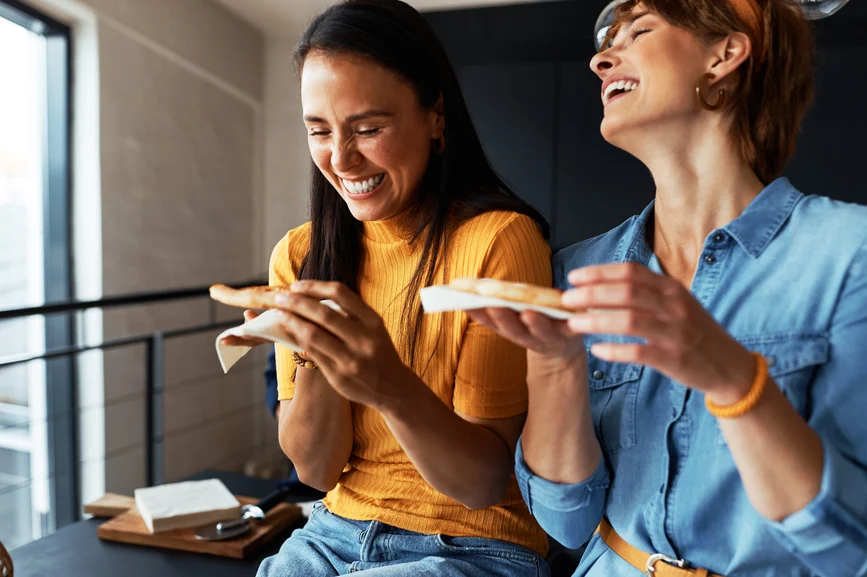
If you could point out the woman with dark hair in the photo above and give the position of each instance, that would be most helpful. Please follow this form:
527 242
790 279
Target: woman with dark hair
409 422
704 405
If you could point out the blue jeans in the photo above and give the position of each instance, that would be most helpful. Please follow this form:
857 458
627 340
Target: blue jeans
330 545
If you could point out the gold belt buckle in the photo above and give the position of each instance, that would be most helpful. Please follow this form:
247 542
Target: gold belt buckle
650 566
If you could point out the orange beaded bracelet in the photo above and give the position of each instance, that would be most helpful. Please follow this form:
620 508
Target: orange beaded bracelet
749 401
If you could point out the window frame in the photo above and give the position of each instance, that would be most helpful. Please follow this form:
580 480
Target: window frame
60 374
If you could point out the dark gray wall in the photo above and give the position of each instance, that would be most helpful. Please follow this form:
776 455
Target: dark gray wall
535 102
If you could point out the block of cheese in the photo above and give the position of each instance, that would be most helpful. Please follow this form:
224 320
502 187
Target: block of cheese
186 504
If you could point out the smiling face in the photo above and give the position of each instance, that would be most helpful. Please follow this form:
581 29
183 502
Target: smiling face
367 132
648 79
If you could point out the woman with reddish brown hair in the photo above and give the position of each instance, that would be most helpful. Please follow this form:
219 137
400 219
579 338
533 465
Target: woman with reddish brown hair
704 404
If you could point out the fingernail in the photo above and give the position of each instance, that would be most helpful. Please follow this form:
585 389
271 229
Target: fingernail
575 276
295 286
281 299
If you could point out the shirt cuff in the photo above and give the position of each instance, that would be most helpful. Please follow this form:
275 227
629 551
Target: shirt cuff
540 492
835 517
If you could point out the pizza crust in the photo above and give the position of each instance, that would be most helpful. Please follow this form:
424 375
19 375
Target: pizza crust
510 291
253 297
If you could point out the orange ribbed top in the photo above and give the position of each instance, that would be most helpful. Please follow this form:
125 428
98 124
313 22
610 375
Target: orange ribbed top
472 370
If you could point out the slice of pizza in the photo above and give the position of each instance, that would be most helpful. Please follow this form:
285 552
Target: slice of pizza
252 297
510 291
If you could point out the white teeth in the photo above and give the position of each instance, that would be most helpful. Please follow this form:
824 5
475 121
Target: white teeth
623 85
362 186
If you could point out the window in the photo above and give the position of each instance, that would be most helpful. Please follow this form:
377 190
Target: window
38 485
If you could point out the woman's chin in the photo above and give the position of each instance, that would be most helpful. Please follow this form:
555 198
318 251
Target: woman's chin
366 213
610 129
618 133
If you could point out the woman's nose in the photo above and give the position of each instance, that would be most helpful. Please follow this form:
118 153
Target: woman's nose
344 156
603 62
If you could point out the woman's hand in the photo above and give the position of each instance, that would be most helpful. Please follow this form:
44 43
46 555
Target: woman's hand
552 346
683 341
353 349
234 341
529 329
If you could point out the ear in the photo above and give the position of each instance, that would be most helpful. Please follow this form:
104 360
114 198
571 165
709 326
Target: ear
439 118
729 53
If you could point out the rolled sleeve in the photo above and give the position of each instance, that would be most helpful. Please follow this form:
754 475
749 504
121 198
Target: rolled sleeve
829 534
569 513
285 263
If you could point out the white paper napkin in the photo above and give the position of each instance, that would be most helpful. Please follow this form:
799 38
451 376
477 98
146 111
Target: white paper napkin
441 298
266 327
186 504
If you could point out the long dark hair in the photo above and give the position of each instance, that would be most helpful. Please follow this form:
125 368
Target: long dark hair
458 184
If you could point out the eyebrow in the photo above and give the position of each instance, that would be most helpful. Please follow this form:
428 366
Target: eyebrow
367 114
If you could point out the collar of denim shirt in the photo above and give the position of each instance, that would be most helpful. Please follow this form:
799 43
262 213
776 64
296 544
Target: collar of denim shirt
753 230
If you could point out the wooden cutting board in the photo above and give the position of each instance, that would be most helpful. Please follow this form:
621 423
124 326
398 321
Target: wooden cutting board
110 505
130 528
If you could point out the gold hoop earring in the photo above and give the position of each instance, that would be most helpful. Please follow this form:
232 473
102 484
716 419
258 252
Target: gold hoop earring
439 145
701 86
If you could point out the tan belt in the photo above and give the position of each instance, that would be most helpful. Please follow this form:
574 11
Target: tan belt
656 565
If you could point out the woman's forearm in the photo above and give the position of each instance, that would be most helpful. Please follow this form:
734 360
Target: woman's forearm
559 443
316 430
462 460
779 457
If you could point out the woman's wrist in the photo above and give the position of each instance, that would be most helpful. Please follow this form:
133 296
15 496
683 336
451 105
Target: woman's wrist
737 384
543 368
398 401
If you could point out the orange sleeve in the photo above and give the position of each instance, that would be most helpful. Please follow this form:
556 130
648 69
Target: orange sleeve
491 379
283 271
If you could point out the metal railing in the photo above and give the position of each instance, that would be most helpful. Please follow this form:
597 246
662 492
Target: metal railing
154 353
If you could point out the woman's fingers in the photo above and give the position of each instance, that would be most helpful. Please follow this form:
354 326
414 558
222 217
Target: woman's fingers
350 302
233 341
508 323
608 273
344 327
527 329
545 329
250 315
628 323
615 295
312 338
482 317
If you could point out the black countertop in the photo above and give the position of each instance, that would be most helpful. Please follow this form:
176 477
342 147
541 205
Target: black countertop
75 550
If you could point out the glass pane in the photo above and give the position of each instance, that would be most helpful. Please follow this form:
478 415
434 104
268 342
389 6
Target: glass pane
24 495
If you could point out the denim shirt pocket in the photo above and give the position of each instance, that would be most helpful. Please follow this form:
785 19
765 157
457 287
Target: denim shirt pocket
793 359
614 402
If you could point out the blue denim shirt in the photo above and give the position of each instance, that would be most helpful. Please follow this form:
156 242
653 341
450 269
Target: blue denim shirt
788 279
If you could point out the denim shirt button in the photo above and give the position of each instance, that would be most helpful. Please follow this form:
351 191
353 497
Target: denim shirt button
719 237
710 259
598 375
771 361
